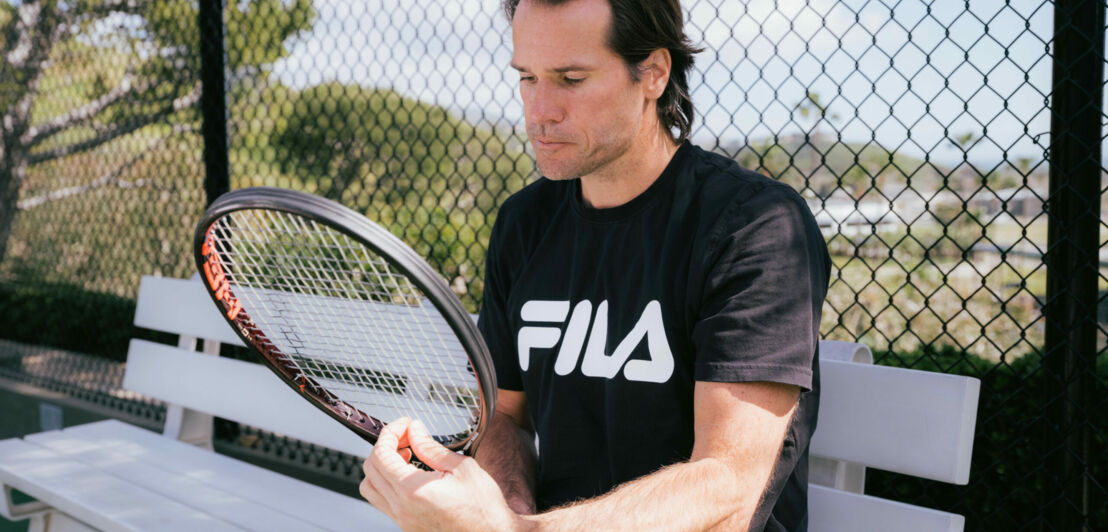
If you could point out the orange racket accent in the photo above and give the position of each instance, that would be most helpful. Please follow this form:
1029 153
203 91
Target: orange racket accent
235 307
217 281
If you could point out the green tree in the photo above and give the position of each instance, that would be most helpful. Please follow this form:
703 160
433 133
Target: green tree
429 177
964 141
138 67
813 109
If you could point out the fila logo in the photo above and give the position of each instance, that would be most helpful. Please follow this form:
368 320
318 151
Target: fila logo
596 362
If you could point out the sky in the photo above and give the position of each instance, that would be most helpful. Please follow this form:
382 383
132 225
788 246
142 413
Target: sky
890 74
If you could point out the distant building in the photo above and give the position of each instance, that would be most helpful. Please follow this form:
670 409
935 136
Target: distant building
1017 202
848 217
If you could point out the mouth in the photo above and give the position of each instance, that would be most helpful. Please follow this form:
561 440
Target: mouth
547 143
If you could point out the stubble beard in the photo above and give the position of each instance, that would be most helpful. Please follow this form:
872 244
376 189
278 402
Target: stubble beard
583 164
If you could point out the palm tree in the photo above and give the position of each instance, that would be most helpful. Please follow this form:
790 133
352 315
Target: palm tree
812 108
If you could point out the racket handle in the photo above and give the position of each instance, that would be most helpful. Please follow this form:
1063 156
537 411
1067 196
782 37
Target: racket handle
419 463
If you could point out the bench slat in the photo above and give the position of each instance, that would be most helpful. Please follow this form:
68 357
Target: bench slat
831 510
94 496
161 473
235 390
907 421
322 507
181 306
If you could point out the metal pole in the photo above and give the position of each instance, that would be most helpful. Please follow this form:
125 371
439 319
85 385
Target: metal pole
1073 209
213 101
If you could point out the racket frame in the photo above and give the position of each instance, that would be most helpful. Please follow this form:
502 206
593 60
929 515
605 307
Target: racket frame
385 244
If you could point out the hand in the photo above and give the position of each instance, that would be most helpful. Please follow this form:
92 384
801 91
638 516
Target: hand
458 495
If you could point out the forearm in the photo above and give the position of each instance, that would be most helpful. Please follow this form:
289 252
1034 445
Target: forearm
507 453
695 495
740 431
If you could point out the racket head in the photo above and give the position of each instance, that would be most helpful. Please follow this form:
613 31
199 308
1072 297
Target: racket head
345 313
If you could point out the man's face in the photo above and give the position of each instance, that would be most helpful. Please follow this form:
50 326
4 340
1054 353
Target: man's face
582 109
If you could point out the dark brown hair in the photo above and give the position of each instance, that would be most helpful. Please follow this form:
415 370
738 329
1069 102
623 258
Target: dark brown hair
638 28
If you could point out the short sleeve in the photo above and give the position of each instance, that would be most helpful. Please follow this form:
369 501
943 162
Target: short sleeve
766 279
493 320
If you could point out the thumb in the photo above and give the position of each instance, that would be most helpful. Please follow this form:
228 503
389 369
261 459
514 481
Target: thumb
431 452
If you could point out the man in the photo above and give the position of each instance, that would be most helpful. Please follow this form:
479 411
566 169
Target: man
652 309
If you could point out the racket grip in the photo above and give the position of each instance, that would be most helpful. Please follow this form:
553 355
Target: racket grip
419 463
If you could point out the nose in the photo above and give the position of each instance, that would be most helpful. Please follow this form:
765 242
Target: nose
542 104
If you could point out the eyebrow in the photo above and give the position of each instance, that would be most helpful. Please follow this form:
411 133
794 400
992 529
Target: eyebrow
560 70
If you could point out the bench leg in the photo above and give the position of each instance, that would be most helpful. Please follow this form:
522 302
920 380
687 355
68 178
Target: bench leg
58 522
21 511
41 517
190 426
836 474
37 523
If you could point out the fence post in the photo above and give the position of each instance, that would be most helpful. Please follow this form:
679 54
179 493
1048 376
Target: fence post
1073 207
213 102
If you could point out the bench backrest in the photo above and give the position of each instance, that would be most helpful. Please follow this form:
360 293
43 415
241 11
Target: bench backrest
906 421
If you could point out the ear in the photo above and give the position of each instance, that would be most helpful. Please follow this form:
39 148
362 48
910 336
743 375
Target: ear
654 72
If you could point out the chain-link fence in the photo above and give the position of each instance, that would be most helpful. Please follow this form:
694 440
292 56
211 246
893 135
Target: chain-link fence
940 145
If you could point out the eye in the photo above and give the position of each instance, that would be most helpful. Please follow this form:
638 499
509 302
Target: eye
573 81
526 79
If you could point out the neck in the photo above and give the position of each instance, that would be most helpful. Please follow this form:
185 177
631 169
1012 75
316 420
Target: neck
632 173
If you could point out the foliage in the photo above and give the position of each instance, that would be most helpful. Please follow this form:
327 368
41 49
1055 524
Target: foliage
825 166
62 316
80 76
107 239
430 178
907 298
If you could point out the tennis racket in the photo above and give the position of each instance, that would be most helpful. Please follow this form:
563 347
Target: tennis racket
346 314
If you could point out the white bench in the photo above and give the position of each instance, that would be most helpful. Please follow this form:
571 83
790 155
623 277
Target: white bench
113 476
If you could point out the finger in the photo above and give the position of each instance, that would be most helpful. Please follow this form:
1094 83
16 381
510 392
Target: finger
388 445
373 497
402 441
390 436
374 478
386 461
404 447
430 451
381 484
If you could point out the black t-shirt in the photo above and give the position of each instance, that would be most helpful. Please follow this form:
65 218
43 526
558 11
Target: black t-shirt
607 317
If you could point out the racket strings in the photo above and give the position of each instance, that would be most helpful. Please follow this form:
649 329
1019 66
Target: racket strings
344 316
342 374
